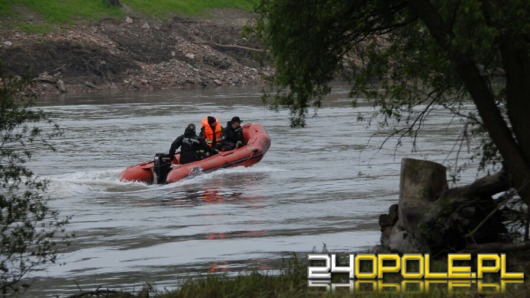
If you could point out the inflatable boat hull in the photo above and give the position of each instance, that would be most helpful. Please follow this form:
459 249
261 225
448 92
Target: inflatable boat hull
257 144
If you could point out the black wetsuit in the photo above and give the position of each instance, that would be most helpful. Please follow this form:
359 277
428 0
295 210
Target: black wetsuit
232 136
190 145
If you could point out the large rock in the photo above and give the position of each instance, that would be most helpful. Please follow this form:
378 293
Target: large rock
403 240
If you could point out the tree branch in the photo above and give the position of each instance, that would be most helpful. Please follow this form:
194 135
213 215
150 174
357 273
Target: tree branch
481 94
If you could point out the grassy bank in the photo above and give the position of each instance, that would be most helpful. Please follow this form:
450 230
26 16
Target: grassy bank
292 282
160 8
38 15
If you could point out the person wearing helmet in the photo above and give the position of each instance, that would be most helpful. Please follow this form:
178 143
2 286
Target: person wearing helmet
211 132
189 144
233 135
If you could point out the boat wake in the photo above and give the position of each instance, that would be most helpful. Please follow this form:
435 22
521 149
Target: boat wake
104 182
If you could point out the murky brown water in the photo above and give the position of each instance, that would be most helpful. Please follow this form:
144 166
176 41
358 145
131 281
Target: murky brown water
325 184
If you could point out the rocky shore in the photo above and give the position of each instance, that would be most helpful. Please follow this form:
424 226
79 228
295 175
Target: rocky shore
135 54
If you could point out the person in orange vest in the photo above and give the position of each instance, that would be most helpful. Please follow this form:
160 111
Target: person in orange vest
212 132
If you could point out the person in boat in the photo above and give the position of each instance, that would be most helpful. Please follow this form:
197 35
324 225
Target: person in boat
211 132
233 135
189 144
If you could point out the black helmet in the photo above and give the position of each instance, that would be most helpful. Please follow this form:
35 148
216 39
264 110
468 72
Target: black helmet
211 120
190 129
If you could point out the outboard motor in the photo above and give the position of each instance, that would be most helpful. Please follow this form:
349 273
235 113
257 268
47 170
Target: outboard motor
162 166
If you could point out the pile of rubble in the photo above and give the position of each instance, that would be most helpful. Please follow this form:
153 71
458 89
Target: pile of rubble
135 54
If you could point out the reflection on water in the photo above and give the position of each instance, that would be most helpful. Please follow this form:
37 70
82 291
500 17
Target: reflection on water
236 266
325 184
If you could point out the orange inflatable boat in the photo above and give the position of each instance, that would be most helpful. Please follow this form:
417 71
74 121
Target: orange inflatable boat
257 143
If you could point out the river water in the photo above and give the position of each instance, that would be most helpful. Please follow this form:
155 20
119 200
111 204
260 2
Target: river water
322 185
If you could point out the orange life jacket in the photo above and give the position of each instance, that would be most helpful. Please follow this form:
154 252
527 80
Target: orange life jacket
209 134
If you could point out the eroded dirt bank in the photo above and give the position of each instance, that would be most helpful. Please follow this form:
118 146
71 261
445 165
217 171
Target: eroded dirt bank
134 54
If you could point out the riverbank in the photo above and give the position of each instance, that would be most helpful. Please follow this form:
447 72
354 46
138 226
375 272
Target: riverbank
292 282
134 53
